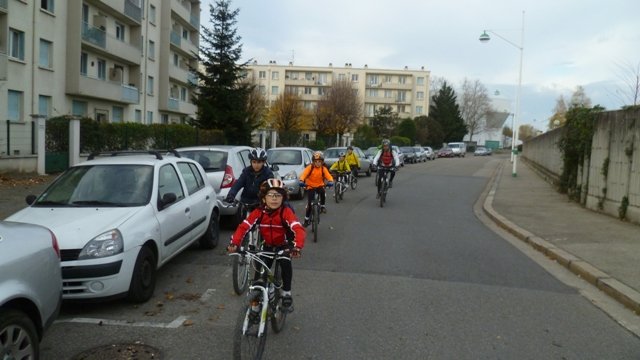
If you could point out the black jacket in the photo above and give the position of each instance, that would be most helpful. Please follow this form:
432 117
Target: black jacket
250 181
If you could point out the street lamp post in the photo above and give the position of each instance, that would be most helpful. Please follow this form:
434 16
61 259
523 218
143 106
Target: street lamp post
484 37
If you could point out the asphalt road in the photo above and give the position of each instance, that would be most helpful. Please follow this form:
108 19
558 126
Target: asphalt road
421 278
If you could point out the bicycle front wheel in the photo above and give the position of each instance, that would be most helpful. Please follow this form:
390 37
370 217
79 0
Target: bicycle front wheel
278 317
354 182
316 221
383 194
248 345
241 269
336 192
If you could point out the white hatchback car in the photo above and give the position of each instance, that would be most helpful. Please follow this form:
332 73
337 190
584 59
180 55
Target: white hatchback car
120 218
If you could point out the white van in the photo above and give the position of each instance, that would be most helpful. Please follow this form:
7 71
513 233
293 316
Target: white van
459 149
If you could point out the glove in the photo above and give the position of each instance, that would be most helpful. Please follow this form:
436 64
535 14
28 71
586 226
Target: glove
301 183
229 199
330 184
231 249
296 252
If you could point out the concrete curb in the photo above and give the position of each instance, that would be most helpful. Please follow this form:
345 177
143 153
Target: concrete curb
612 287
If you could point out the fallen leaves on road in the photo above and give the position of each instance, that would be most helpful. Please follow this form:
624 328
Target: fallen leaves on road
187 322
16 180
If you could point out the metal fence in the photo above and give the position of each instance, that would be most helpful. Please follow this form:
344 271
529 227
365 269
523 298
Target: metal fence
17 138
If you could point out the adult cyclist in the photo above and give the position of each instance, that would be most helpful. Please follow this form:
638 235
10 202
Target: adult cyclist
387 159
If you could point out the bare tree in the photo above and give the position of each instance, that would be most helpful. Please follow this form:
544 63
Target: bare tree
559 114
339 110
256 104
474 105
526 132
579 98
288 116
629 75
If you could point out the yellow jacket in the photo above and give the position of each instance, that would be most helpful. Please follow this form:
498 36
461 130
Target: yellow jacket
314 176
352 159
340 166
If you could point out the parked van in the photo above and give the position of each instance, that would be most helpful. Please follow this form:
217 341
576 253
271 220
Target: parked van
459 149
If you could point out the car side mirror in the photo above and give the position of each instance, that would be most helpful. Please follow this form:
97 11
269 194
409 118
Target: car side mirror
30 199
167 199
275 167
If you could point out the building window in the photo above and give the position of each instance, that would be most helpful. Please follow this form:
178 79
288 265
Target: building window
342 77
16 44
369 109
402 96
372 92
44 105
262 74
387 78
388 94
102 69
78 108
373 79
118 113
185 34
262 89
84 58
46 58
418 110
176 60
120 31
138 116
401 109
47 5
164 118
274 90
307 91
420 95
152 14
308 76
321 91
15 106
183 94
354 77
152 50
149 117
402 79
420 80
150 85
275 75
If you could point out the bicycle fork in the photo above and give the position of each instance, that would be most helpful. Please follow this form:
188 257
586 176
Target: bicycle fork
263 311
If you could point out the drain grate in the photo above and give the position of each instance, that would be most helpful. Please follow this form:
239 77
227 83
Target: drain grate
120 352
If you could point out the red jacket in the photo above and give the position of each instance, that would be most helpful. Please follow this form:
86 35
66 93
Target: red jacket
271 227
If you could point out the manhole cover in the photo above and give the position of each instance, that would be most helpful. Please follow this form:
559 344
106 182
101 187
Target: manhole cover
120 352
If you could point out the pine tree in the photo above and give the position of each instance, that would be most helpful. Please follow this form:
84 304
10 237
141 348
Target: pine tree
222 97
444 109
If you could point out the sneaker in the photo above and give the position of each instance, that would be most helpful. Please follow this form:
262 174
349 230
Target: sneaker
306 222
390 184
287 303
323 209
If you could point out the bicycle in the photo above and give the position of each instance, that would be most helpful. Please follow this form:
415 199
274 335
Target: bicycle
264 303
241 265
352 181
383 184
342 179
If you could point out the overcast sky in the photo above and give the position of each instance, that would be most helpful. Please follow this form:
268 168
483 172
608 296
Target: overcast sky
566 42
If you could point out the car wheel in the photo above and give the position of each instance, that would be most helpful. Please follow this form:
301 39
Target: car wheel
18 336
210 238
369 171
300 194
143 279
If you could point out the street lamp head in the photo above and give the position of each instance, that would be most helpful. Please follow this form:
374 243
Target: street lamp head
484 37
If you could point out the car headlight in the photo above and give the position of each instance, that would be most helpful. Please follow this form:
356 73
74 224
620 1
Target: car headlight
106 244
290 176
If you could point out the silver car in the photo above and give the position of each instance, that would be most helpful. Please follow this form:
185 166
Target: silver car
331 155
30 287
291 161
223 165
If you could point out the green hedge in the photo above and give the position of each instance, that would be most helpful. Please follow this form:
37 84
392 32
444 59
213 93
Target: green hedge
96 137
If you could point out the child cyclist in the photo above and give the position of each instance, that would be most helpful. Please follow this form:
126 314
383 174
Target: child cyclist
341 167
273 220
313 177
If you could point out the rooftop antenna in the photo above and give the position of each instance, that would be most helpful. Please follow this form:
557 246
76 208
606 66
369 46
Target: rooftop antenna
293 56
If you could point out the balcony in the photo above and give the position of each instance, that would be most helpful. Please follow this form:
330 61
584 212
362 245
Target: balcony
176 106
182 75
3 6
132 10
184 13
186 47
107 90
3 66
109 45
125 10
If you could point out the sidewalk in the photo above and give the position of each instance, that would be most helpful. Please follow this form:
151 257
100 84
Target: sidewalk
601 249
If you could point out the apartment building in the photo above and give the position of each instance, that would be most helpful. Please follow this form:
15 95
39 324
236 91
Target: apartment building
111 60
406 91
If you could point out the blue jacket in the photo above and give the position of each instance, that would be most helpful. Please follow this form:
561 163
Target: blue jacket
250 181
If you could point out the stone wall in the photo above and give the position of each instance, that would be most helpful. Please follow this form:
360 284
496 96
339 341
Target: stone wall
611 176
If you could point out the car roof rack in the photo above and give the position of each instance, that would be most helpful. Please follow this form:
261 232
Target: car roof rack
156 153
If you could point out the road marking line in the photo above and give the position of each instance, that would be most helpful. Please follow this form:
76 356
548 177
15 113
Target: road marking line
207 294
172 325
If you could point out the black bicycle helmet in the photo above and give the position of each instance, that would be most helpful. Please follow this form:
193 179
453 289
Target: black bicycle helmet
258 154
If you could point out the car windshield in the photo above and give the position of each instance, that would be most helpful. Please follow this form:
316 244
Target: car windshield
211 160
406 149
454 146
284 157
100 185
333 153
